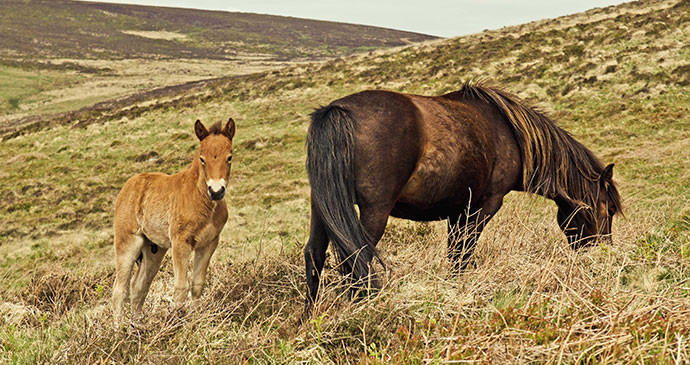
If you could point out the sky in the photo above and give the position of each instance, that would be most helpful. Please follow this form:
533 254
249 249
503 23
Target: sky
444 18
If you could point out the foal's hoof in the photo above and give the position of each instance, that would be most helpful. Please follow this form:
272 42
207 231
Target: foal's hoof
137 325
118 325
180 310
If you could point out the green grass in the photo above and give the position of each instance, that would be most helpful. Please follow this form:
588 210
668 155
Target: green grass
19 86
530 298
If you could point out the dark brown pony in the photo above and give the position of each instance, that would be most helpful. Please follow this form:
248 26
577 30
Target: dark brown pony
451 157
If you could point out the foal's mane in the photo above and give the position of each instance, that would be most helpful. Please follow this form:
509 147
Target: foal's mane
216 128
554 163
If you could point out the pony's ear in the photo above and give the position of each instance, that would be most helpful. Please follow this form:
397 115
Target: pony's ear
200 130
229 129
606 175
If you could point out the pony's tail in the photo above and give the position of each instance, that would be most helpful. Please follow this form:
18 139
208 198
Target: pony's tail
330 166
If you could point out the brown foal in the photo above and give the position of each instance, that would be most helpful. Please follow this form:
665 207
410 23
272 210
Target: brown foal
184 211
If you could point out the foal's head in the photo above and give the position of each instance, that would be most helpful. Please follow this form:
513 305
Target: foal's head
215 155
584 223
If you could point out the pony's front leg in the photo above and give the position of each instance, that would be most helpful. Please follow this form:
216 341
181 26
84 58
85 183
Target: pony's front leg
464 231
202 257
181 250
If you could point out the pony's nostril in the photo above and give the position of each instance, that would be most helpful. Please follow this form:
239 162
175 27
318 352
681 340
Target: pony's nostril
217 195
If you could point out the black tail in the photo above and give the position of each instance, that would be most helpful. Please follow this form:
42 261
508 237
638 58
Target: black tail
330 166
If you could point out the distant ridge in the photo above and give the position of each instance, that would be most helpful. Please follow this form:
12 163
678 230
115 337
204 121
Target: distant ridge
75 29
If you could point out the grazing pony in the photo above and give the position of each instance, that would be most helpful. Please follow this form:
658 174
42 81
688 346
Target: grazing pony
184 211
451 157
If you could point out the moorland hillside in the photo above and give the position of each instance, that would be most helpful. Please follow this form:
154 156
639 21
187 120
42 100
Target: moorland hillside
616 78
61 56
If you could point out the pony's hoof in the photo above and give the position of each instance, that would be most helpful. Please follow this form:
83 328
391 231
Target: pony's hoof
180 310
304 318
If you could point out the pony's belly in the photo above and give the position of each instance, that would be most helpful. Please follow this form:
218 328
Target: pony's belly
428 197
162 240
423 214
430 191
157 229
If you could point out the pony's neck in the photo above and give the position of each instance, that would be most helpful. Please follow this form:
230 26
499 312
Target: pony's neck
195 183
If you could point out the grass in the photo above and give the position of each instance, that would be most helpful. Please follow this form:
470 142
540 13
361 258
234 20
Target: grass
19 87
37 92
528 297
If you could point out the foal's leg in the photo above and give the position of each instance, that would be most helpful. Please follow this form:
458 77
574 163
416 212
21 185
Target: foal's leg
314 258
181 250
150 263
202 257
463 232
127 249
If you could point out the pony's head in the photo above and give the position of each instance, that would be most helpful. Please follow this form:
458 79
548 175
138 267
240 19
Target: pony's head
585 222
215 156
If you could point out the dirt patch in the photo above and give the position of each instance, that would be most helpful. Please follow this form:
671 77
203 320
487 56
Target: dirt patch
168 36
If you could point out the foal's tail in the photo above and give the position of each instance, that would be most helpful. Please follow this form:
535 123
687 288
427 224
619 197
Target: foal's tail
330 166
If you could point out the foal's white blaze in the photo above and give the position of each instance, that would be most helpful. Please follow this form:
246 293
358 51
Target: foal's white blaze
216 185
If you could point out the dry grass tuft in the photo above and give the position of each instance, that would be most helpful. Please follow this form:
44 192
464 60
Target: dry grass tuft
528 298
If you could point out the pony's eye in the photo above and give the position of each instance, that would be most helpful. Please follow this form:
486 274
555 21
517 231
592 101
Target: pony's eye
229 158
202 160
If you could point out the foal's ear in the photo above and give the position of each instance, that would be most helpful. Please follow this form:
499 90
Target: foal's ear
607 174
229 129
200 130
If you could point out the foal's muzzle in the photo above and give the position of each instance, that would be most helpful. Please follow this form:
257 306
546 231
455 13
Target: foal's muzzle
217 195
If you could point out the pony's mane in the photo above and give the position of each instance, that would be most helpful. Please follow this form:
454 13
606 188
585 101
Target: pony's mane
554 163
216 128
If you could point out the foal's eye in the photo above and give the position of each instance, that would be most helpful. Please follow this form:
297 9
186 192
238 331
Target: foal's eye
229 158
202 160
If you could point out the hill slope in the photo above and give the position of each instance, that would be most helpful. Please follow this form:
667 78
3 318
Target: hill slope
61 56
74 29
616 78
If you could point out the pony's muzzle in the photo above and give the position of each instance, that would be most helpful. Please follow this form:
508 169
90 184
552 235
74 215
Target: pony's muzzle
216 194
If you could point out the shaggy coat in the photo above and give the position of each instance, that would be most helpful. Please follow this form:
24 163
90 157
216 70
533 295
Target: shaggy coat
184 212
451 157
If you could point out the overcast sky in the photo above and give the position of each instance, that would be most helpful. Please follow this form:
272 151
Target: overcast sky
445 18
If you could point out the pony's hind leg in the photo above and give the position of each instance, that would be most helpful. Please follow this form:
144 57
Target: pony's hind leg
202 257
314 259
127 249
374 220
141 283
181 250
